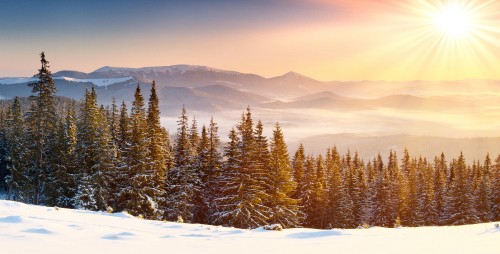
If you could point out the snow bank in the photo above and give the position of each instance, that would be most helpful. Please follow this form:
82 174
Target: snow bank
36 229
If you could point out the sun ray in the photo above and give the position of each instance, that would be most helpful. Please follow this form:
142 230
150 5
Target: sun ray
448 38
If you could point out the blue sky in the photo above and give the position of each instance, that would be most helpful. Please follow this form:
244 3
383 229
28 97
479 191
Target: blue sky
84 34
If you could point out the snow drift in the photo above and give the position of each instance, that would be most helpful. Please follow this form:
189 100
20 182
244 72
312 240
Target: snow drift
35 229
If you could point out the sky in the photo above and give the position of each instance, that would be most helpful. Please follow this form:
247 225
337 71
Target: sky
322 39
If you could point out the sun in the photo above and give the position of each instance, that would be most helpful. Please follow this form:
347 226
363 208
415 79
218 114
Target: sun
454 21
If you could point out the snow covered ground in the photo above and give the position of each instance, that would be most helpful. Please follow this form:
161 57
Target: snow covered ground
36 229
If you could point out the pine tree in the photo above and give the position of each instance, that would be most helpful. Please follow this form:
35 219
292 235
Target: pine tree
94 156
227 201
284 208
339 204
124 132
298 170
495 199
122 173
213 169
430 211
64 183
146 172
19 186
114 122
384 213
86 153
4 171
317 219
394 178
182 179
369 202
440 187
309 197
482 191
460 208
262 162
198 169
252 193
201 165
244 202
409 214
41 124
158 155
358 186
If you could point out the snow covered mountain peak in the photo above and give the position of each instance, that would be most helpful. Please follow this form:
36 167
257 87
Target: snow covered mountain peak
172 69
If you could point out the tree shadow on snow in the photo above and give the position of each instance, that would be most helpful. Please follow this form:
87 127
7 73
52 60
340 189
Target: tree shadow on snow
315 234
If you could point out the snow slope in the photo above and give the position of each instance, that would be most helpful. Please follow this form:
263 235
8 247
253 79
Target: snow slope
35 229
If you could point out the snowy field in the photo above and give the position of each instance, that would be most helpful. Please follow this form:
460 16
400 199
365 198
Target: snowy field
35 229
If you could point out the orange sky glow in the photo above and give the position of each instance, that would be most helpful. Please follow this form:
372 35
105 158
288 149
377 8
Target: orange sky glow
345 40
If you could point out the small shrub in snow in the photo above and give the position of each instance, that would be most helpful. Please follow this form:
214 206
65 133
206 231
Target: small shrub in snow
365 226
56 208
273 227
397 222
497 225
179 219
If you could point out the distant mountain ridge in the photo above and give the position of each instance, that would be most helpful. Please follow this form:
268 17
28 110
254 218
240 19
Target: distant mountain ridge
291 90
306 107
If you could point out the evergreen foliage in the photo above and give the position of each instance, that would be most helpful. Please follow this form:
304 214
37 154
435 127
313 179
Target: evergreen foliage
57 152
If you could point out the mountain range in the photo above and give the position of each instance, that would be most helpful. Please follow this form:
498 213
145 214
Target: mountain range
304 106
208 89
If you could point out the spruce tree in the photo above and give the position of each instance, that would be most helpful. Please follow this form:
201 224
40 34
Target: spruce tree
213 170
94 156
384 213
298 162
369 202
41 125
158 153
201 164
339 204
252 195
483 190
262 162
242 203
122 173
495 199
19 186
182 179
146 174
460 207
284 208
114 122
440 188
4 172
227 210
356 193
65 180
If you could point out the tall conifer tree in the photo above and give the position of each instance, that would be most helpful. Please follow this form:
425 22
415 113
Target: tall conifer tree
284 208
41 123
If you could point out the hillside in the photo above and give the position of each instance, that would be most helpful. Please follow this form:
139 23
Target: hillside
36 229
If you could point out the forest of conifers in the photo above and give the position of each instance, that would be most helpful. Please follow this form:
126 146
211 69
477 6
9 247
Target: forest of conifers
59 152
